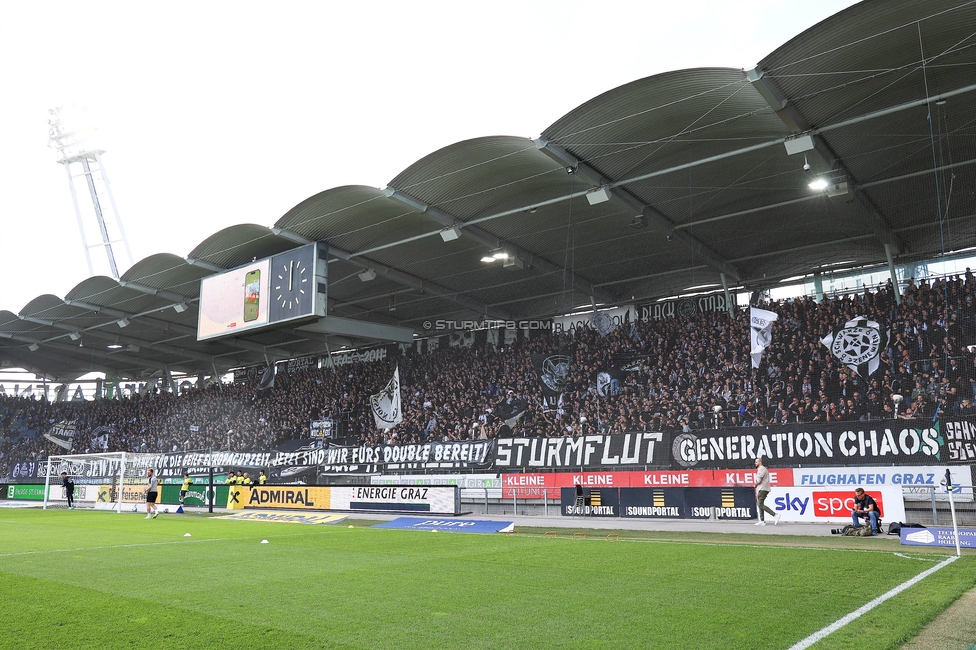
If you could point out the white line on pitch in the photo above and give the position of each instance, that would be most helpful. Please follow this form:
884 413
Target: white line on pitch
836 625
98 548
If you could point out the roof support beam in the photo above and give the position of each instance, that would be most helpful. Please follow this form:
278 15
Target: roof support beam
119 338
632 202
407 280
796 122
89 353
176 327
584 286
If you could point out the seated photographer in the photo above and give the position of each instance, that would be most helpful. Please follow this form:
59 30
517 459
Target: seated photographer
865 506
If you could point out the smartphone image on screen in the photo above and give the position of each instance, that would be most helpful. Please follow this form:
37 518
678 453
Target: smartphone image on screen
252 294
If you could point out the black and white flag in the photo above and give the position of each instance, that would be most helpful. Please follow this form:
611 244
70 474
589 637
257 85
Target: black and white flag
267 378
602 323
386 404
100 437
553 371
761 324
858 345
510 410
63 434
605 381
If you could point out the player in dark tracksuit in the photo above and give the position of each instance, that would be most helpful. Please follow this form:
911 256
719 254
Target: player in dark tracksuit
69 489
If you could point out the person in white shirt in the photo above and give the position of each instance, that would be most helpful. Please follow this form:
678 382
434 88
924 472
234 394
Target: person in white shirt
762 491
151 493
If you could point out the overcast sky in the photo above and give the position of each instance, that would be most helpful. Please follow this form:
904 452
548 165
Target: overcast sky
216 113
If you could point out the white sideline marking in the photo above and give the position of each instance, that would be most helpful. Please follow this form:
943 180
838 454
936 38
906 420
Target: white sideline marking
920 559
836 625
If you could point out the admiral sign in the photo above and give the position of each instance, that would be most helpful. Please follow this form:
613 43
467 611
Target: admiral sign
310 498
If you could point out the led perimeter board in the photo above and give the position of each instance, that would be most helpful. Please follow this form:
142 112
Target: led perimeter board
288 286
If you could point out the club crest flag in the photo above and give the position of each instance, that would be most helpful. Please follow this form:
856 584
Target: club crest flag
386 404
858 345
761 322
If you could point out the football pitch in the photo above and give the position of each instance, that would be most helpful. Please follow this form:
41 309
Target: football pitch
92 579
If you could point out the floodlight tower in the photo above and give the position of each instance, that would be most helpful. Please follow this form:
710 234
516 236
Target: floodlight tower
71 136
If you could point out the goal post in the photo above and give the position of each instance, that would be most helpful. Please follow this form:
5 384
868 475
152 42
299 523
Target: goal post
108 481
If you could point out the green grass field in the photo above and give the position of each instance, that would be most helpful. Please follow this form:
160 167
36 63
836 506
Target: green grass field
101 580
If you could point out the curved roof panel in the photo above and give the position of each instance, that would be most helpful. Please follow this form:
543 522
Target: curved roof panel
237 245
168 272
697 180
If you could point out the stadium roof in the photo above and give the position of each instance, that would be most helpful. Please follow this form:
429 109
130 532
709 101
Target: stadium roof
878 100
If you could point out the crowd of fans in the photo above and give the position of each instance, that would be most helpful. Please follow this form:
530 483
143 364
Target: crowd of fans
666 374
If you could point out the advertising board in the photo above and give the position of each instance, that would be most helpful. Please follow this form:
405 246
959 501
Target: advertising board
833 504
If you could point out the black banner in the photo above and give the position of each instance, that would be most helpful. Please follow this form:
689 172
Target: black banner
884 442
960 440
616 451
686 308
468 454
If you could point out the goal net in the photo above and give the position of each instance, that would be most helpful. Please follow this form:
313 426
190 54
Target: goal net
109 481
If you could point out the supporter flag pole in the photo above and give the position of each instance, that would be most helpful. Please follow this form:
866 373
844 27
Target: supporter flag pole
949 487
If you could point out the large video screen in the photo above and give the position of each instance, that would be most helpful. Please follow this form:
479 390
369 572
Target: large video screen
289 286
234 301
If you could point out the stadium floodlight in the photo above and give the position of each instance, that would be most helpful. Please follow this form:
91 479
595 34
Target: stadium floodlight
123 322
500 254
368 274
33 347
819 185
487 259
452 233
180 307
599 195
74 336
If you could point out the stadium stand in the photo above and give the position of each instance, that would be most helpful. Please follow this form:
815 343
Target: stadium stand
670 373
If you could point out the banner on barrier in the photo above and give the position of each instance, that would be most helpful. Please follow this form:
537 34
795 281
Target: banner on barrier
663 503
478 483
918 483
829 443
536 486
397 498
469 454
620 450
269 496
28 492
